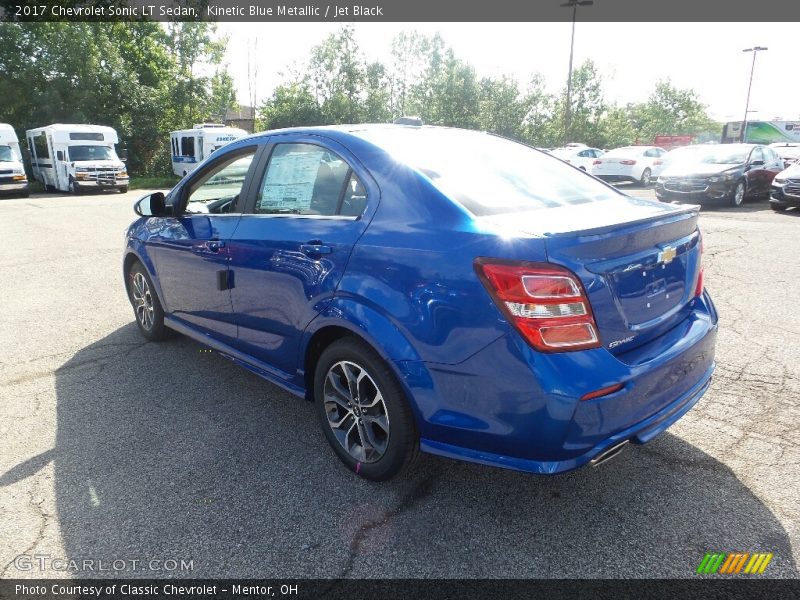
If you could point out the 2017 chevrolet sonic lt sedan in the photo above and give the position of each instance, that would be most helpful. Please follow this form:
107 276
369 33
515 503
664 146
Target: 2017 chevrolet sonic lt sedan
433 289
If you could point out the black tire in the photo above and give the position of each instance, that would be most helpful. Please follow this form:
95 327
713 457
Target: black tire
401 440
647 177
777 207
73 187
737 197
123 189
150 323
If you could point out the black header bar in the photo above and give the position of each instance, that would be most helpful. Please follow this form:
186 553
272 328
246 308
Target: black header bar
404 10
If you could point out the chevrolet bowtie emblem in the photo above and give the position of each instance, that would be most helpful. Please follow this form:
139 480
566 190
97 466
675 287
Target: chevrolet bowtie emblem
667 254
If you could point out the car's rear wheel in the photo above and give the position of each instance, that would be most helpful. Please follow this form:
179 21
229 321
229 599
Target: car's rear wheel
146 306
737 198
363 411
647 177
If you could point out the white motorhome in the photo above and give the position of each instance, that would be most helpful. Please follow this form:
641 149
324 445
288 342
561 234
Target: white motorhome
74 158
189 147
12 174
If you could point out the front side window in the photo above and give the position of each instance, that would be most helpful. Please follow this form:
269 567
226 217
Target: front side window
217 191
305 179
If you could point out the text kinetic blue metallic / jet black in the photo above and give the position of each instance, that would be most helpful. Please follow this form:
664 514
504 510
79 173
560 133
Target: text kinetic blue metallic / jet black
433 289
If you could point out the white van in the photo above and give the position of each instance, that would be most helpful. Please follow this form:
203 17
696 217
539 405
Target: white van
189 147
74 158
12 174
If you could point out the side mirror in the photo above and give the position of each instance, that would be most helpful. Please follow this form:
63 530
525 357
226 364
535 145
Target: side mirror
152 205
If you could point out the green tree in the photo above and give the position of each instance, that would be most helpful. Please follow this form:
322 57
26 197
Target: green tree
291 105
671 111
130 76
502 109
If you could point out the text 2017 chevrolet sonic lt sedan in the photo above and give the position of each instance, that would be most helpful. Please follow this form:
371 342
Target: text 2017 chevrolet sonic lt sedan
433 289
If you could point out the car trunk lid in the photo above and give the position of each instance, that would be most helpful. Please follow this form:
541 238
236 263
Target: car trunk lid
637 259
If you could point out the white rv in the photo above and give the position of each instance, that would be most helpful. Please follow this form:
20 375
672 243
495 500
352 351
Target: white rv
189 147
74 158
12 174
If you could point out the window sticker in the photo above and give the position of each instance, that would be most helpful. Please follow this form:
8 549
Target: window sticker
289 185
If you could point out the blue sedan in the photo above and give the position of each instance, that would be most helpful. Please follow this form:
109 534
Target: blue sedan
433 289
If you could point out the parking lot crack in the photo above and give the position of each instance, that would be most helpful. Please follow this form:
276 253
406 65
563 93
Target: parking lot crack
407 501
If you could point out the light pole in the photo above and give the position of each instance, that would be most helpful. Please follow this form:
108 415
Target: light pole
573 4
755 50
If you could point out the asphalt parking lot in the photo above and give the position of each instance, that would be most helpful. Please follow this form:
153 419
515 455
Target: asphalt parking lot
112 448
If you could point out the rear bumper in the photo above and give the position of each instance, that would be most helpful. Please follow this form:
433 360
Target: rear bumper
512 407
606 177
641 433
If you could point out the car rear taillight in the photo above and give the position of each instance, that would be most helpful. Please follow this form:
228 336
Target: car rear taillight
627 161
698 288
546 303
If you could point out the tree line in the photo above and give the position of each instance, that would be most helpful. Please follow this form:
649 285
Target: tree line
425 78
141 78
146 79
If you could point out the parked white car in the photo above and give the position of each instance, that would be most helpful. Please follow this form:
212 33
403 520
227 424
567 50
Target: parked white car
629 163
581 156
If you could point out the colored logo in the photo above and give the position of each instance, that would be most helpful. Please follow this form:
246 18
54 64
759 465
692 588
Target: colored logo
734 563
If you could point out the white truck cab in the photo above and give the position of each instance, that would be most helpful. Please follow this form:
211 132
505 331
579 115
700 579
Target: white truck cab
12 174
74 158
190 147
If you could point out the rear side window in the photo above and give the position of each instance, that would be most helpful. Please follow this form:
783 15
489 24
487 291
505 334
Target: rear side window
305 179
489 175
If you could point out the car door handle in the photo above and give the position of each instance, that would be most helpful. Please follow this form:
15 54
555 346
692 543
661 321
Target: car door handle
210 246
315 248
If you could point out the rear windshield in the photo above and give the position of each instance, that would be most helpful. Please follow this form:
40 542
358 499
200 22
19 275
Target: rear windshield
489 175
6 154
91 153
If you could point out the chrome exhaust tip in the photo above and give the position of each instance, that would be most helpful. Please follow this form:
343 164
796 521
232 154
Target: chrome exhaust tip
608 454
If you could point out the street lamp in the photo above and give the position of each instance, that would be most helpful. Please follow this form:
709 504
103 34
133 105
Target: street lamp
755 50
573 4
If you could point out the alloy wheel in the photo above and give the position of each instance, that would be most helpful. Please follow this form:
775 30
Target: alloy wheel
356 411
142 301
738 194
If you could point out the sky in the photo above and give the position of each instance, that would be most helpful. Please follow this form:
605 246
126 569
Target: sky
631 57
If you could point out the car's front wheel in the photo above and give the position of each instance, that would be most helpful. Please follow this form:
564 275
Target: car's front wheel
363 411
146 306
